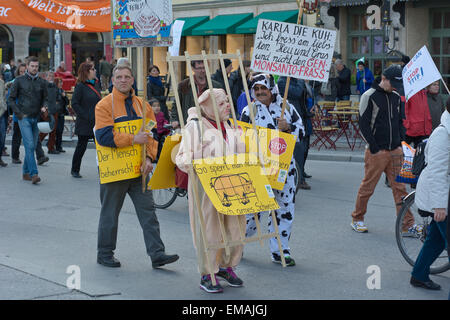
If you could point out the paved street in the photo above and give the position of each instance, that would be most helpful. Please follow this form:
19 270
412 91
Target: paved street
45 229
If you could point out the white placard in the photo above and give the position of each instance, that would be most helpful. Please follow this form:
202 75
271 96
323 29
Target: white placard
419 73
293 50
177 29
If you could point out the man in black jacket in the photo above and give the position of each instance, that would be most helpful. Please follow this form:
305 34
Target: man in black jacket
382 128
31 94
344 81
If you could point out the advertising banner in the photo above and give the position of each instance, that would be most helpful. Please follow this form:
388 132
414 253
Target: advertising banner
79 16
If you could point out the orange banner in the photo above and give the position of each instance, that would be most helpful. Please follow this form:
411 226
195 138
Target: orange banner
79 16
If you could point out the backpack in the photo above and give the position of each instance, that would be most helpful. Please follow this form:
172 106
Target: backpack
419 159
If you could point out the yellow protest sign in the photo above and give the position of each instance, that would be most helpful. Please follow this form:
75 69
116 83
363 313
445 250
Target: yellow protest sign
116 164
164 175
277 148
235 185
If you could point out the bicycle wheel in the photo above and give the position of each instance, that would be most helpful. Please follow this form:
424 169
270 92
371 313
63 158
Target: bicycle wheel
163 198
410 242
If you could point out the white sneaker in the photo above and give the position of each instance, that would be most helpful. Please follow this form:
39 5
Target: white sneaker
359 226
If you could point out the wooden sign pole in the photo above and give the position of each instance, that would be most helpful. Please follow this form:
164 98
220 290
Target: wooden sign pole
144 112
288 80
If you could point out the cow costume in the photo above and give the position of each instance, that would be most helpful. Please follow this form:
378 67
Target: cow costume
267 116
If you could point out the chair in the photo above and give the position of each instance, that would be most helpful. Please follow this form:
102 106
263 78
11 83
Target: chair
323 132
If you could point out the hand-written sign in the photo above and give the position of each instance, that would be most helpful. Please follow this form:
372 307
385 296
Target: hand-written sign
116 164
235 187
277 148
293 50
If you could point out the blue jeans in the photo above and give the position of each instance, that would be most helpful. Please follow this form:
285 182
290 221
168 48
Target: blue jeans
433 246
30 135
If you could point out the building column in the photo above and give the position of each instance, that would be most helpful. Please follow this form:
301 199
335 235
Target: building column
21 42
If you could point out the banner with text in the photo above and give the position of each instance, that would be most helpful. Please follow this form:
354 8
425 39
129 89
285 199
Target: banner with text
79 16
235 187
141 23
419 73
293 50
116 164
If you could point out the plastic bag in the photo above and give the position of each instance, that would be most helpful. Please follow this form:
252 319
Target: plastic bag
406 175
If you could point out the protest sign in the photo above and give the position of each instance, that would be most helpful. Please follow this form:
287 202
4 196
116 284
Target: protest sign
164 175
419 73
235 187
277 148
293 50
177 29
141 23
116 164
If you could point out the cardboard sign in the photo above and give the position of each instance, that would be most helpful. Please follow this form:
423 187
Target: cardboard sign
141 23
277 150
235 187
293 50
116 164
164 175
419 73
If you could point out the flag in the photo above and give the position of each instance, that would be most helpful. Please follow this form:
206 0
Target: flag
357 61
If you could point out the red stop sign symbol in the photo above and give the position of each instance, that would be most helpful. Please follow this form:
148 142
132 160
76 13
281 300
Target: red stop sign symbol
278 146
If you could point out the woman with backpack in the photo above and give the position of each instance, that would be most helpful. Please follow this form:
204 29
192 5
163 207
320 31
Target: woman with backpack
432 198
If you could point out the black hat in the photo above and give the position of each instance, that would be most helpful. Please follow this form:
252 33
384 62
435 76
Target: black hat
405 59
227 62
394 75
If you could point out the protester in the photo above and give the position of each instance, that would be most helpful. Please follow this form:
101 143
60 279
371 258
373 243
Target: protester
16 136
195 148
268 106
218 75
85 96
435 104
236 84
155 89
127 107
3 120
124 61
364 78
105 69
31 94
380 124
344 81
432 196
297 97
185 91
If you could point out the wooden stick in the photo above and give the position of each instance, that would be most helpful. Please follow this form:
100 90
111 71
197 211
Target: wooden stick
144 122
227 87
445 85
288 80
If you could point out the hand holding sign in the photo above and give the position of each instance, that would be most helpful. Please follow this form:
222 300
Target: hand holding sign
141 137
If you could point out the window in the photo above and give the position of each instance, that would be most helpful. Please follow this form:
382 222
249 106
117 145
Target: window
365 43
440 43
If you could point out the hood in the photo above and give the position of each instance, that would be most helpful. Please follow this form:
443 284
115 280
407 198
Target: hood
445 120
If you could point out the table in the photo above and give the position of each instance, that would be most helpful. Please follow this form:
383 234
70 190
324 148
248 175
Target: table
348 120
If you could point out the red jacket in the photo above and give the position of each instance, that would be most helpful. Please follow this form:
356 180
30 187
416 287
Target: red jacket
418 118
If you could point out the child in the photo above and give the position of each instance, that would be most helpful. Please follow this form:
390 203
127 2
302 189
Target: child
160 122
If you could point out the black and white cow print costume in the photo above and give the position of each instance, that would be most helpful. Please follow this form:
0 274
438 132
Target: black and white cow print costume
266 117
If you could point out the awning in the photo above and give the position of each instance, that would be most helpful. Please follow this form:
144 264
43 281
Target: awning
283 16
339 3
222 24
192 22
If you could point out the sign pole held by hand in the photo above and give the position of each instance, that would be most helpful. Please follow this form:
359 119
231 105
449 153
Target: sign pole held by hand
288 80
144 109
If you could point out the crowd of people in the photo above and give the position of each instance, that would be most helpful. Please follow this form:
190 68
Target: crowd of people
385 121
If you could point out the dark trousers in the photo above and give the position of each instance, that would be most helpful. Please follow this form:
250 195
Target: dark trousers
59 131
300 154
16 141
433 246
414 140
112 196
79 152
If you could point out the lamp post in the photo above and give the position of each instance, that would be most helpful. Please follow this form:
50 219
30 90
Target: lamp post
387 25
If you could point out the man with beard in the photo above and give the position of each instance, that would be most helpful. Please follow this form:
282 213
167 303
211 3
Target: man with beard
267 110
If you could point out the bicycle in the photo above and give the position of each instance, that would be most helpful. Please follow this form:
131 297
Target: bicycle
164 198
410 241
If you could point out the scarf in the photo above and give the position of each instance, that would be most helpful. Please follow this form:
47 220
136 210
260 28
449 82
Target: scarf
155 80
31 76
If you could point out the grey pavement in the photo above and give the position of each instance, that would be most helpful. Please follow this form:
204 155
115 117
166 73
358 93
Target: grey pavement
47 228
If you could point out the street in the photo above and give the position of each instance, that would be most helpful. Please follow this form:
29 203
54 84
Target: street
49 230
